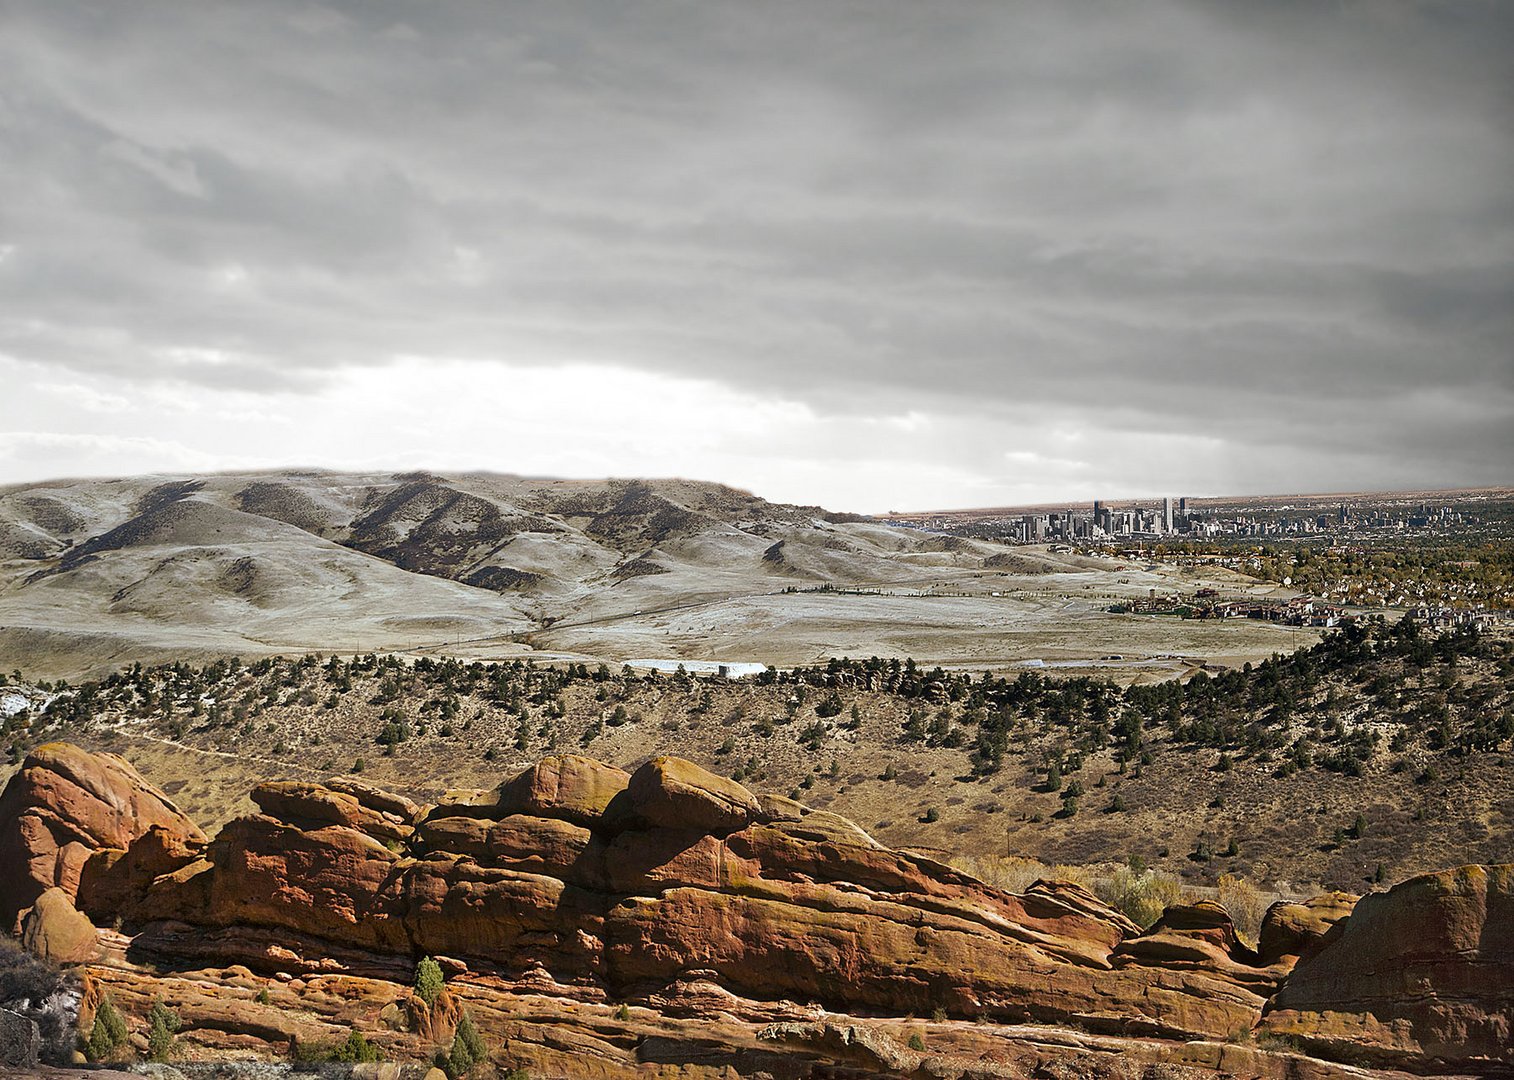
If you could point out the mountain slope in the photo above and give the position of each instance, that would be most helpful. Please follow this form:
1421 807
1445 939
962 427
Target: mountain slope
99 573
149 567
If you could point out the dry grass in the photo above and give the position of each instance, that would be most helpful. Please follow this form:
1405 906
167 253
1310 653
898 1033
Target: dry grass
1012 873
1246 905
1141 895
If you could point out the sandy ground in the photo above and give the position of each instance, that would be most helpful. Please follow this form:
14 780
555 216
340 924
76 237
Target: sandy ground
975 619
953 620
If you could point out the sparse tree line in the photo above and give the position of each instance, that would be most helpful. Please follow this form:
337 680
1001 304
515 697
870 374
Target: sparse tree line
1368 690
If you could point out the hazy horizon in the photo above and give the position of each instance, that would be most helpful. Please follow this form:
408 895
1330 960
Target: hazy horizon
963 255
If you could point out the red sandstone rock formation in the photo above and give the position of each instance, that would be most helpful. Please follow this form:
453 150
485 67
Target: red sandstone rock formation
63 806
682 891
1291 931
1421 976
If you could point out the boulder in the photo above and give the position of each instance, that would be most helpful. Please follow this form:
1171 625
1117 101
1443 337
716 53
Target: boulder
567 786
309 805
1198 937
1203 924
64 805
519 842
56 931
376 798
332 881
1294 929
677 794
1421 976
113 882
20 1040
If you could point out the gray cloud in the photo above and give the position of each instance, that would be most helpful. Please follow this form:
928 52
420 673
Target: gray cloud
1287 227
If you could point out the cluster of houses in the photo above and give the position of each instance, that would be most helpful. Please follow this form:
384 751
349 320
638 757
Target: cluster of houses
1206 604
1300 611
1442 617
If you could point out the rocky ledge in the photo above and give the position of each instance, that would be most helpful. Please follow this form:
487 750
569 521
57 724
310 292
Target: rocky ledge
671 922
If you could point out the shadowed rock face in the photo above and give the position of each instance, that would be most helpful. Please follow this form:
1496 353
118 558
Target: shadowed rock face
671 885
64 806
1421 974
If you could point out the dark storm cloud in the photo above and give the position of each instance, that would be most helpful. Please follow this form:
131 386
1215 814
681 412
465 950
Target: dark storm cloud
1277 225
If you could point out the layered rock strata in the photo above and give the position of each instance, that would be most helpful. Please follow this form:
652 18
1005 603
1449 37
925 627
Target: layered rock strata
685 894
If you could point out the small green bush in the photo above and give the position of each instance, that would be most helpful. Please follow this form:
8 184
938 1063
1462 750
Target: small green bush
467 1048
107 1033
356 1049
1141 895
162 1023
428 981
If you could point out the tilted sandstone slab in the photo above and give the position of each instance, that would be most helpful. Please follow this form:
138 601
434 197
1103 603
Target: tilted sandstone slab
567 786
63 806
308 805
396 807
1197 937
676 794
1420 976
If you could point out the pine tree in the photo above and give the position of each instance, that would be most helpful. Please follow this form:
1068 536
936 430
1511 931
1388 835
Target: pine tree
467 1048
162 1022
108 1031
428 981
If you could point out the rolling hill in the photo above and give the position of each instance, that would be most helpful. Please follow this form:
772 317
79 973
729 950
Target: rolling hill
113 571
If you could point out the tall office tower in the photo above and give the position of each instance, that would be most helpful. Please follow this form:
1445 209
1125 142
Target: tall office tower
1183 507
1167 515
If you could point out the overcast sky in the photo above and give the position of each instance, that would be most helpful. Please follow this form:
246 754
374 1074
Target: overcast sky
871 255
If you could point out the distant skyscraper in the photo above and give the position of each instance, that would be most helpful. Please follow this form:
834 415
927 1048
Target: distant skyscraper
1167 515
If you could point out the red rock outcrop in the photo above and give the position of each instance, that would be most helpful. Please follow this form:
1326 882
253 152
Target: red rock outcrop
682 892
113 881
671 793
55 930
627 886
63 806
1421 976
1294 930
566 786
314 805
